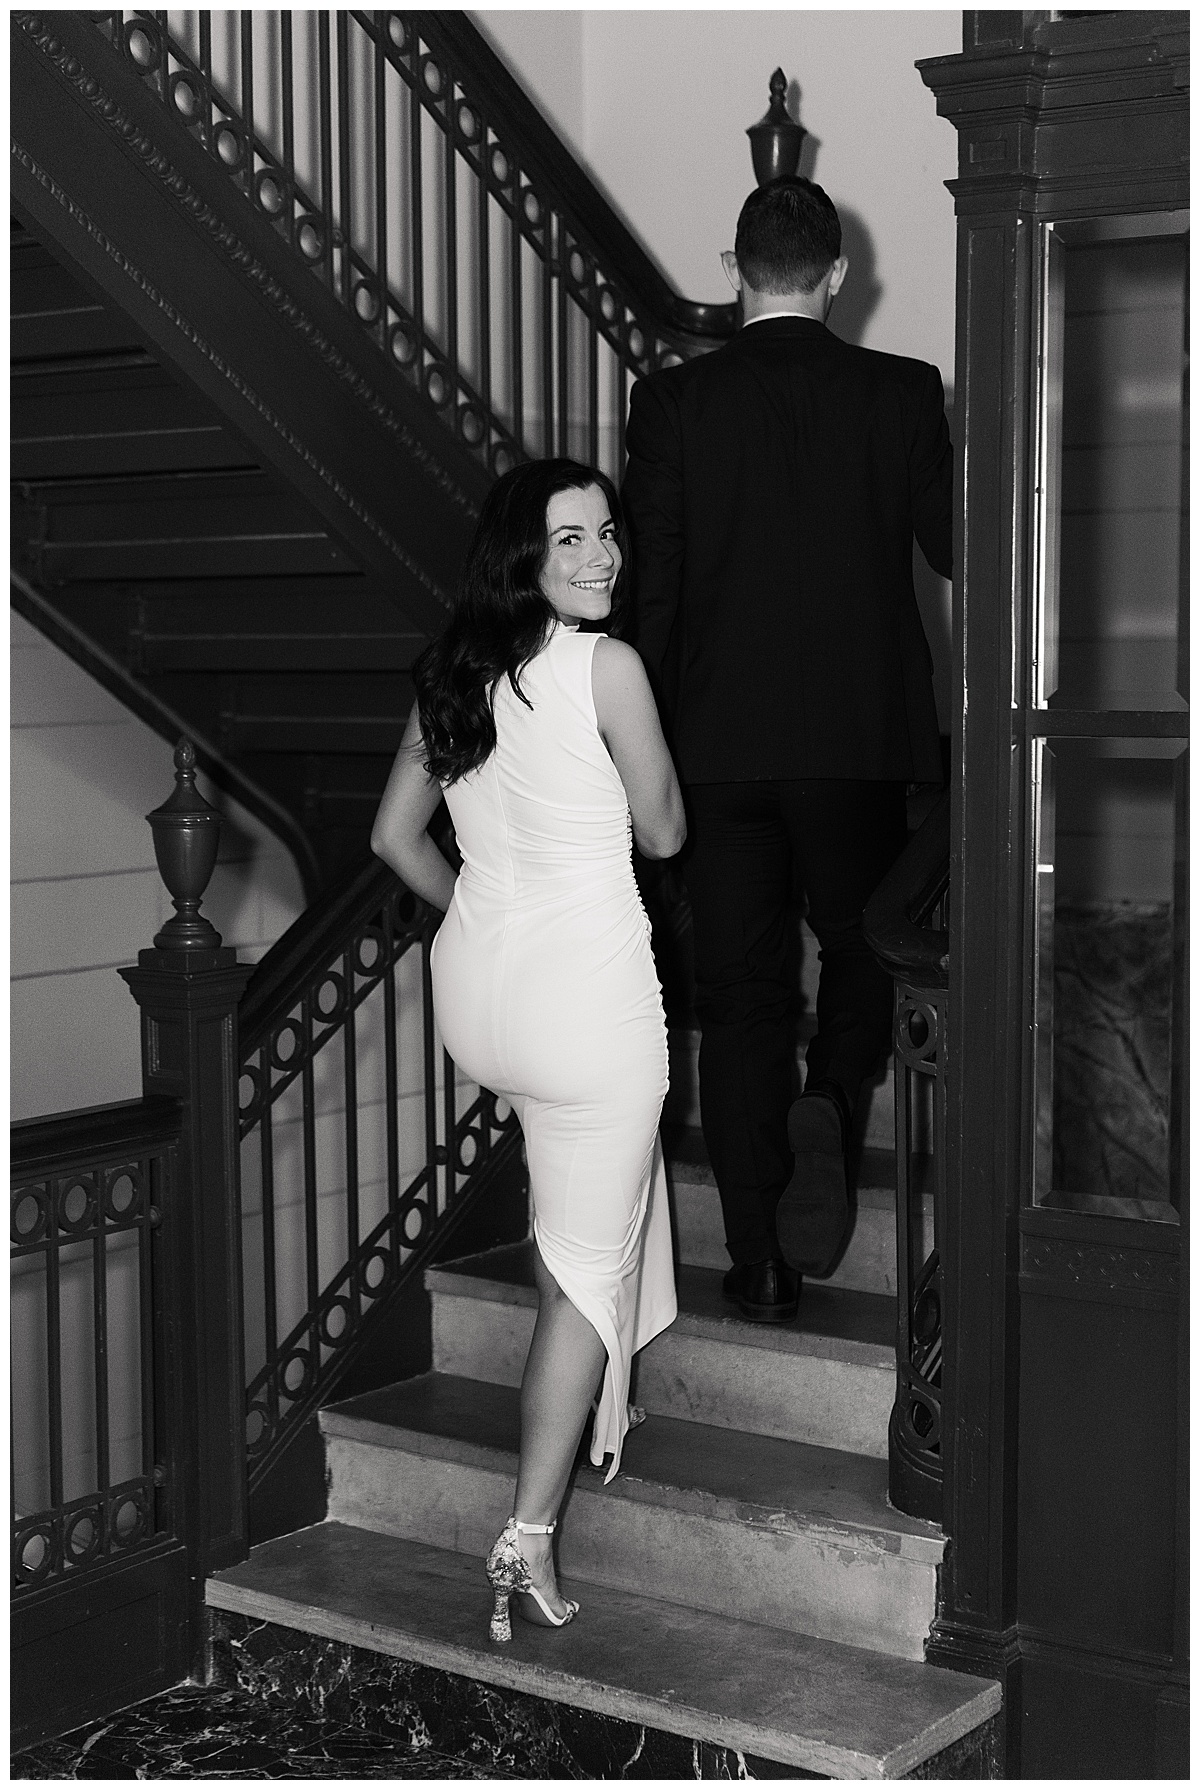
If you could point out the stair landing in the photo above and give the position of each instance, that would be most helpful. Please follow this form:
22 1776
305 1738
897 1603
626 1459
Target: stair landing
816 1706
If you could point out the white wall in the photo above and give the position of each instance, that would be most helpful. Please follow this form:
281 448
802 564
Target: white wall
86 894
656 105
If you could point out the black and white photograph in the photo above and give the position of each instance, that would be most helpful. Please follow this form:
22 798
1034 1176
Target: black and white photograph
599 894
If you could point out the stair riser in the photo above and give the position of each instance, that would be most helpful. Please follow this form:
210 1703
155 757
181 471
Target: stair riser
868 1266
815 1582
800 1398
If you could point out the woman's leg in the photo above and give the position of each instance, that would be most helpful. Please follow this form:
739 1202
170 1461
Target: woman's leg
565 1362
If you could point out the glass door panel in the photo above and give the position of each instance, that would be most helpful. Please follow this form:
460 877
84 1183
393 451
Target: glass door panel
1112 488
1110 914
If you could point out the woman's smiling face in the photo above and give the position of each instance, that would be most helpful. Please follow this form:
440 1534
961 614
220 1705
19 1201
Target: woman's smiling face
583 559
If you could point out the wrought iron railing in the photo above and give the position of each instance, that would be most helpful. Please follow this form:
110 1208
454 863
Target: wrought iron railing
406 168
906 924
361 1145
89 1392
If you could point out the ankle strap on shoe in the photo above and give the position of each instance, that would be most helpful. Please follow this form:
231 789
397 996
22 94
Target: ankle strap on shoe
535 1528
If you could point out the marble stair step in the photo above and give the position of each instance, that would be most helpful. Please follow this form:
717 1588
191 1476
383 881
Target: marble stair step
869 1262
828 1377
764 1530
814 1705
875 1120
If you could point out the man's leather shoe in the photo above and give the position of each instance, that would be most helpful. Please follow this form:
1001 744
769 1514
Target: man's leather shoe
814 1211
767 1292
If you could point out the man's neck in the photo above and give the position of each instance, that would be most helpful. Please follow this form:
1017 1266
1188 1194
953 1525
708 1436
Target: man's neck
790 304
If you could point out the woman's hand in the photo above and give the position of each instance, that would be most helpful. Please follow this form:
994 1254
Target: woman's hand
399 834
629 727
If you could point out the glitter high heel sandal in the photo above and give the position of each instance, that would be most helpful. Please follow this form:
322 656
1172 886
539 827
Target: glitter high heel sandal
508 1572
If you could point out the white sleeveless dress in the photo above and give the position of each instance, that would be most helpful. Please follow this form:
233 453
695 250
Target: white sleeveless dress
545 992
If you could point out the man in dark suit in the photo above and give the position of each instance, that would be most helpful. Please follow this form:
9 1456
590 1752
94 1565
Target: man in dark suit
773 492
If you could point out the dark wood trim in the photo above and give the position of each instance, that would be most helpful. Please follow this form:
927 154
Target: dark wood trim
55 1142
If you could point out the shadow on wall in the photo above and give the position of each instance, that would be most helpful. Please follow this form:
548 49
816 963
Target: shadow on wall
859 298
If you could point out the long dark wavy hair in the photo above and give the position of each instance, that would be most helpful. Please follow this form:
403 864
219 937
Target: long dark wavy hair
502 619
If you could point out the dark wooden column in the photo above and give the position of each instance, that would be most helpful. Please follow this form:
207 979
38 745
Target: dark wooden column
188 988
1056 119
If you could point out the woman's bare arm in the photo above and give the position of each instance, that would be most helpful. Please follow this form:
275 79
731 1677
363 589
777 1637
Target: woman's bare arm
399 834
629 727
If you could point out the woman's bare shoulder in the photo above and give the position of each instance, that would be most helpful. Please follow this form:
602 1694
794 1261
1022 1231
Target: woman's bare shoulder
617 663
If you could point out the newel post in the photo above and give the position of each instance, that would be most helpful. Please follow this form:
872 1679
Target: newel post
188 987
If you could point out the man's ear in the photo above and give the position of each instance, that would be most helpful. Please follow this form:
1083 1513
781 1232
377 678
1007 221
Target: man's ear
733 272
837 274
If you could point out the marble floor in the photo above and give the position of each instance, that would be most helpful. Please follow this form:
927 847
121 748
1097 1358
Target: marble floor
193 1732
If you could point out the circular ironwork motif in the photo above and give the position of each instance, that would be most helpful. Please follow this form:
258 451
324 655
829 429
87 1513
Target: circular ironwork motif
609 304
81 1536
472 424
501 167
397 31
916 1031
33 1553
188 96
334 1324
414 1218
402 345
438 384
309 239
123 1191
295 1374
249 1092
502 459
404 906
577 267
258 1425
467 1148
468 122
143 45
636 341
290 1030
432 78
531 206
366 302
228 143
270 192
127 1518
77 1204
374 1274
337 986
29 1209
375 963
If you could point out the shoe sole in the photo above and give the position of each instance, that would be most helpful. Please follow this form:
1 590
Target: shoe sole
764 1314
815 1134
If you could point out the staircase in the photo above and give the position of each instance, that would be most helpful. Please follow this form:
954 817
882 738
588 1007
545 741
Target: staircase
751 1604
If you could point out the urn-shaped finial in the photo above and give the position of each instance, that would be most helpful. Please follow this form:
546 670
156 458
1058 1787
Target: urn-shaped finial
187 831
775 140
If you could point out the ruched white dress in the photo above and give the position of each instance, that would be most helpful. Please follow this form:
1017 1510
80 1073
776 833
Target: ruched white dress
545 992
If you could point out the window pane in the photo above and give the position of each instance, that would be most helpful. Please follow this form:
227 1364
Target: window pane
1109 962
1114 556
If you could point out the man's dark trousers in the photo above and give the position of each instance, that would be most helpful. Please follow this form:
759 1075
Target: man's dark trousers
753 845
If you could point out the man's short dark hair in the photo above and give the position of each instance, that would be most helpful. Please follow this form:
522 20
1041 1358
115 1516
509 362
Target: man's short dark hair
788 236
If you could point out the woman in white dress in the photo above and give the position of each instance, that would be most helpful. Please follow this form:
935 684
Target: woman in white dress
545 741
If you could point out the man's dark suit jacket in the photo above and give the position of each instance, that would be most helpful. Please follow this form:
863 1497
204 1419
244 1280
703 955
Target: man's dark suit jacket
773 492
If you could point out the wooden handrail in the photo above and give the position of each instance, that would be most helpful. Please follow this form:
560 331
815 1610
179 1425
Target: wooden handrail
893 920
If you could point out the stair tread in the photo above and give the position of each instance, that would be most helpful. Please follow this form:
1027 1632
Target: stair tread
782 1485
822 1706
830 1321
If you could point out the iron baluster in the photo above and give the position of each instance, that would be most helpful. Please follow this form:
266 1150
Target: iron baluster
350 1084
562 254
326 129
100 1335
429 1064
450 1160
266 1142
516 324
207 71
417 200
391 1086
308 1097
381 219
287 121
450 175
247 57
593 367
343 138
54 1351
544 250
483 226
